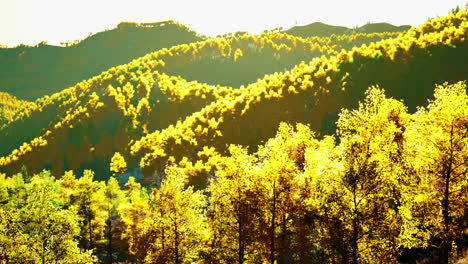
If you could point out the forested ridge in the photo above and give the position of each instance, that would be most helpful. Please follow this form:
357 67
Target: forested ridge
32 72
268 148
96 117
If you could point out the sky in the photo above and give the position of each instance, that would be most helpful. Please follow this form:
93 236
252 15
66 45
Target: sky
32 21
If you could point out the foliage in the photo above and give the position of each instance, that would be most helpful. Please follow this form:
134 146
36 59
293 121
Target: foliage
391 182
118 164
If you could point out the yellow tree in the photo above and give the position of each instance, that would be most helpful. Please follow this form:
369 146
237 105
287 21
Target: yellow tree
370 179
320 236
11 241
178 222
118 164
115 198
134 212
89 200
438 145
281 160
40 230
234 211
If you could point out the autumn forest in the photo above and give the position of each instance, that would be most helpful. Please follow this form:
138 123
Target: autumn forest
151 143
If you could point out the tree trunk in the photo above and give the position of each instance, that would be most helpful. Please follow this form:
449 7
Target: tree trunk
272 226
240 231
163 237
43 253
354 239
89 215
282 250
240 243
109 239
354 243
447 241
176 244
90 232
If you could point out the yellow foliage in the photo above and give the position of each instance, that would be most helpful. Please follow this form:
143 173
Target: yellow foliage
118 164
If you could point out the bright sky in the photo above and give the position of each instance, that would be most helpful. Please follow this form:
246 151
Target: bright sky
32 21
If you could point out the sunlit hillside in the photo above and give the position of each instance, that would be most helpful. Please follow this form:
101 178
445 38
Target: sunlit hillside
143 94
10 106
127 106
32 72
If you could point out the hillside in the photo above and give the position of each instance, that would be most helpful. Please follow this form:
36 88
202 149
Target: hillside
163 105
32 72
82 140
314 93
139 110
10 106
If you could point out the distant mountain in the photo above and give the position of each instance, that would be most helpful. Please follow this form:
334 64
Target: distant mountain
381 27
31 72
324 30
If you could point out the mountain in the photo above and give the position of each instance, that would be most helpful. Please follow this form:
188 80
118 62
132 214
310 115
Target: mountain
172 103
407 66
164 102
317 29
324 30
32 72
381 27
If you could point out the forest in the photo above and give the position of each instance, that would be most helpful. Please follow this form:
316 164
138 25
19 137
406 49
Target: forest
288 146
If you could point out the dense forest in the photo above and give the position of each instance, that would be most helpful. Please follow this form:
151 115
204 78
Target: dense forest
294 146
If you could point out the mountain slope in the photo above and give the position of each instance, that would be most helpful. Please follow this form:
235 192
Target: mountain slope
407 67
36 71
31 72
83 126
10 106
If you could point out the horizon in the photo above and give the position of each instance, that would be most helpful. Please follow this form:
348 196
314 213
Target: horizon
30 22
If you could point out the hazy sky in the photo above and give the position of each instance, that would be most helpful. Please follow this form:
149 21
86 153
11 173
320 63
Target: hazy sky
32 21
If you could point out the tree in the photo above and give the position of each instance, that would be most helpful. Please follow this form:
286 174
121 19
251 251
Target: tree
438 147
281 161
234 210
24 172
134 213
89 200
320 237
118 165
177 221
115 198
143 89
365 201
40 230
